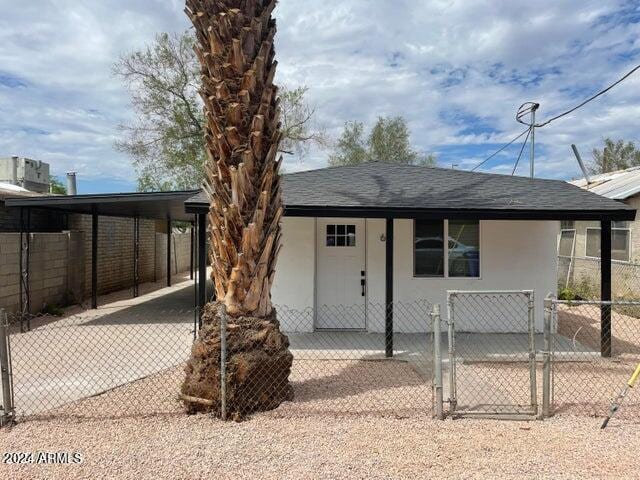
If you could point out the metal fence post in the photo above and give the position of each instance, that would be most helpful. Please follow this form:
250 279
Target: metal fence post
437 362
5 367
532 350
546 358
452 353
223 362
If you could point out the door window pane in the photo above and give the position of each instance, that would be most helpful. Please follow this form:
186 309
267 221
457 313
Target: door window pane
464 248
429 248
341 236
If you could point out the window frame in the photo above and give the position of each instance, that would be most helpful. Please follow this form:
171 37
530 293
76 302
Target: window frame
573 244
335 235
445 230
629 234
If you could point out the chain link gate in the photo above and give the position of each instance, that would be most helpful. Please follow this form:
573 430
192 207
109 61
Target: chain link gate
593 346
491 363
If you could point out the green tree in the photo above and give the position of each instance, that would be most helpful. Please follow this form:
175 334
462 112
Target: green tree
57 187
351 147
388 141
165 141
299 132
615 155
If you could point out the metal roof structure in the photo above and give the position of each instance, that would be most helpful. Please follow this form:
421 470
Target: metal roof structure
153 205
618 185
379 190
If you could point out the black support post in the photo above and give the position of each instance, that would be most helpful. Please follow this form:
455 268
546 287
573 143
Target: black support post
605 288
168 252
202 264
94 258
389 289
191 246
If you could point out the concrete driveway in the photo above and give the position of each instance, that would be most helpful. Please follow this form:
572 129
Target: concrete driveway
89 352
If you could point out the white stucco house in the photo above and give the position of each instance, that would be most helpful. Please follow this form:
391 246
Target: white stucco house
357 239
362 242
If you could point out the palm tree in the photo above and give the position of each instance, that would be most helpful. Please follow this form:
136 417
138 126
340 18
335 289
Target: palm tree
242 133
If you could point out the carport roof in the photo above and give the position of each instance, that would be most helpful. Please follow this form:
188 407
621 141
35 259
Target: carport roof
153 205
382 190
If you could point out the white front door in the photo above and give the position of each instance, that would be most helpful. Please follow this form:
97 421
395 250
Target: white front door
341 282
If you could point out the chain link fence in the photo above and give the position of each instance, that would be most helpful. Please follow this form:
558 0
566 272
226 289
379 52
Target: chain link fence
126 363
492 353
119 364
585 374
342 370
579 279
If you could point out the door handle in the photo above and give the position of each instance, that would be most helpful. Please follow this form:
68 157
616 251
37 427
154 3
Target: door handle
362 284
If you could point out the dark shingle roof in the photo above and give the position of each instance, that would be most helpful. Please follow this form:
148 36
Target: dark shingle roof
383 186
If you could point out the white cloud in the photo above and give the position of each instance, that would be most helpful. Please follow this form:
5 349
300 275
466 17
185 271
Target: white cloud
457 70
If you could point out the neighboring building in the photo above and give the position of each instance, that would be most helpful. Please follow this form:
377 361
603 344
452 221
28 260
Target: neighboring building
32 175
582 239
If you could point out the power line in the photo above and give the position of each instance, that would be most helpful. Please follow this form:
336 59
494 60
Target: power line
531 107
498 151
521 150
601 92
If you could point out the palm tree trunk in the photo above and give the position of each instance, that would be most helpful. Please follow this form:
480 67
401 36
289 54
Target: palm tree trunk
242 133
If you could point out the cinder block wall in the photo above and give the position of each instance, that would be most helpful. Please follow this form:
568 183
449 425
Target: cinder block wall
9 271
115 251
180 253
55 274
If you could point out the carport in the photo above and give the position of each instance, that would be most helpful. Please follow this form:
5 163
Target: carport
165 206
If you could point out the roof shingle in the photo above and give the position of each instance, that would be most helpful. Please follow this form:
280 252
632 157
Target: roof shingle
379 185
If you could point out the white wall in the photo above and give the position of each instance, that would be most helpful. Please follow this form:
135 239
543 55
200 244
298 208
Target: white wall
515 255
294 283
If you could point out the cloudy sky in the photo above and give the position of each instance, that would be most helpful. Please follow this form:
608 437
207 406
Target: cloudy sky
456 69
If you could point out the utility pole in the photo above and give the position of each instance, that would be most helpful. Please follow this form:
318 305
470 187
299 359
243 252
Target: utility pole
534 107
526 108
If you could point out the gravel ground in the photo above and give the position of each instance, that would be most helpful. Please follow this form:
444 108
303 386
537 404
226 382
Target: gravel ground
139 431
328 447
350 419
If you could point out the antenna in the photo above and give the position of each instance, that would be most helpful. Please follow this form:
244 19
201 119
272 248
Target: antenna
529 108
581 163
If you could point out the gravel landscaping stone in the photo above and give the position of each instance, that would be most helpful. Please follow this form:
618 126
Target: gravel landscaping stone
371 447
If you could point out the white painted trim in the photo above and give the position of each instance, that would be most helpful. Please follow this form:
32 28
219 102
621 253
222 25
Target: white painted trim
315 274
366 275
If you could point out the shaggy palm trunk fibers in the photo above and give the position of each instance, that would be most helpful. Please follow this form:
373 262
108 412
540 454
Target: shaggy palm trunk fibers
235 48
258 365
